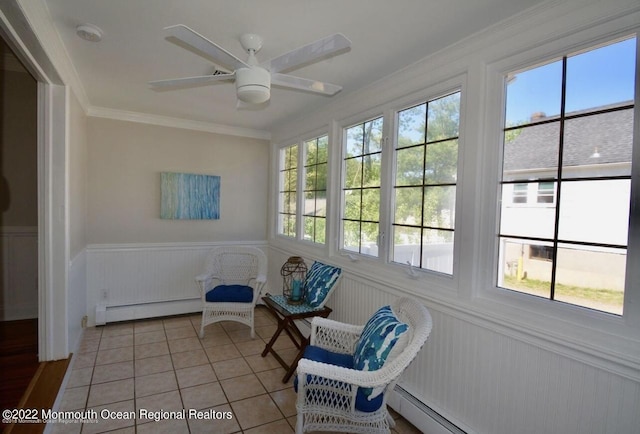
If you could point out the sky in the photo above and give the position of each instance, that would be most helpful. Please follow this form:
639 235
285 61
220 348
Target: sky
595 78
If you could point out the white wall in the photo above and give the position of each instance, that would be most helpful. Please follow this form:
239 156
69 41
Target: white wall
497 362
139 265
78 195
125 162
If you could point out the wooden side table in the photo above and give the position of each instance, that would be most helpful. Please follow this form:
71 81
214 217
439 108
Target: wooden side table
286 314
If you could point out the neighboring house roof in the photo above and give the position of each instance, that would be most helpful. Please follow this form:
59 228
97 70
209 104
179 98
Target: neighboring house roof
609 134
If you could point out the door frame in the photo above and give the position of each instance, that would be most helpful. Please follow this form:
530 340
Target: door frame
53 215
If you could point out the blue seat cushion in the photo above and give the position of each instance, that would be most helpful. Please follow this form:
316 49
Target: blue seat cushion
318 354
230 294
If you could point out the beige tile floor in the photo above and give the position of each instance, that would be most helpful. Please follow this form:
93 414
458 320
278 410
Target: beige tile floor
163 364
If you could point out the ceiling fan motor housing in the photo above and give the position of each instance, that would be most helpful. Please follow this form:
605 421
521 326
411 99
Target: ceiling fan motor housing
253 85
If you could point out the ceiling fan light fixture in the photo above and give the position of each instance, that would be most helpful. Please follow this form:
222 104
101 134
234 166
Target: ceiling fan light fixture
253 79
253 85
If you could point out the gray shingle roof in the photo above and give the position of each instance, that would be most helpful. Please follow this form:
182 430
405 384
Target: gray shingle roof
536 147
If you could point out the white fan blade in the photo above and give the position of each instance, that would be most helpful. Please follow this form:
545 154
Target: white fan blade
314 52
200 45
190 81
299 83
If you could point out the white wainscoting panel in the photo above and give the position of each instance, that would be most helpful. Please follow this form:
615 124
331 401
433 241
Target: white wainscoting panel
77 299
485 381
19 273
274 279
144 280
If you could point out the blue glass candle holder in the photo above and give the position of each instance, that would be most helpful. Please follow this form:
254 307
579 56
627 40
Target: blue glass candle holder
293 274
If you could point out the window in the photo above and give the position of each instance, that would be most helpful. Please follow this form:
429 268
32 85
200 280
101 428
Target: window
361 187
568 133
520 192
315 189
426 158
288 191
541 252
312 211
546 192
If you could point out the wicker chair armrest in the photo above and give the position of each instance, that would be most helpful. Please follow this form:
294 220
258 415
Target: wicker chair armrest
356 377
260 282
334 336
203 277
205 282
327 323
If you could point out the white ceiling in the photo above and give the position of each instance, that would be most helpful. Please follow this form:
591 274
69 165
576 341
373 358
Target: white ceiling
386 35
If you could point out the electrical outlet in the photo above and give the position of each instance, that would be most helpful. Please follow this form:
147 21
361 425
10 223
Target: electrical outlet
84 321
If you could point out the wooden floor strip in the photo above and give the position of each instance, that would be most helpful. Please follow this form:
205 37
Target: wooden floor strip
41 394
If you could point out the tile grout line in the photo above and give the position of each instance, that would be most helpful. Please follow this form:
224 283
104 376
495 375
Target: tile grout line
228 333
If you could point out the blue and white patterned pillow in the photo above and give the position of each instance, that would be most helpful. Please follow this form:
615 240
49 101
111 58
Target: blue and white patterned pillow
379 335
319 281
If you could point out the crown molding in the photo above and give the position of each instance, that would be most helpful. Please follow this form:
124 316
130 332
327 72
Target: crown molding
166 121
40 21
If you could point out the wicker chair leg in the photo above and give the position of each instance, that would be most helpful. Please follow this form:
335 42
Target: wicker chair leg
390 421
202 326
300 423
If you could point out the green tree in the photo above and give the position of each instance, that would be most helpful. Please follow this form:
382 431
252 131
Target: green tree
288 194
315 190
426 166
362 183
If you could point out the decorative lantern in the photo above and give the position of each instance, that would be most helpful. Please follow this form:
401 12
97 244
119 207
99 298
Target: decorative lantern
293 273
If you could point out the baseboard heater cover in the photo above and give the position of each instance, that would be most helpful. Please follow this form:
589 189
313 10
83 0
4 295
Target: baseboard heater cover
421 415
126 312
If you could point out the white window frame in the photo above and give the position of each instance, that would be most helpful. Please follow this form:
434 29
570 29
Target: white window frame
280 170
300 188
304 191
573 317
393 146
438 281
383 156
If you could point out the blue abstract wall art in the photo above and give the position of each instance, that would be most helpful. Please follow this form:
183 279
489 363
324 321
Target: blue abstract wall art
189 196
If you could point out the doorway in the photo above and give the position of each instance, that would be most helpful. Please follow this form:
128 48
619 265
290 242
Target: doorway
18 228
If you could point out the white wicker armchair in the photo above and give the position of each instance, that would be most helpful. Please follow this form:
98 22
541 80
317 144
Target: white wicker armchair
231 285
328 394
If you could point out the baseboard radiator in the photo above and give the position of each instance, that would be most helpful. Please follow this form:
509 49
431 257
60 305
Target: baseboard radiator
419 414
113 313
129 282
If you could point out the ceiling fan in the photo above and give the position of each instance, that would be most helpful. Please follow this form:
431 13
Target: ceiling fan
253 80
